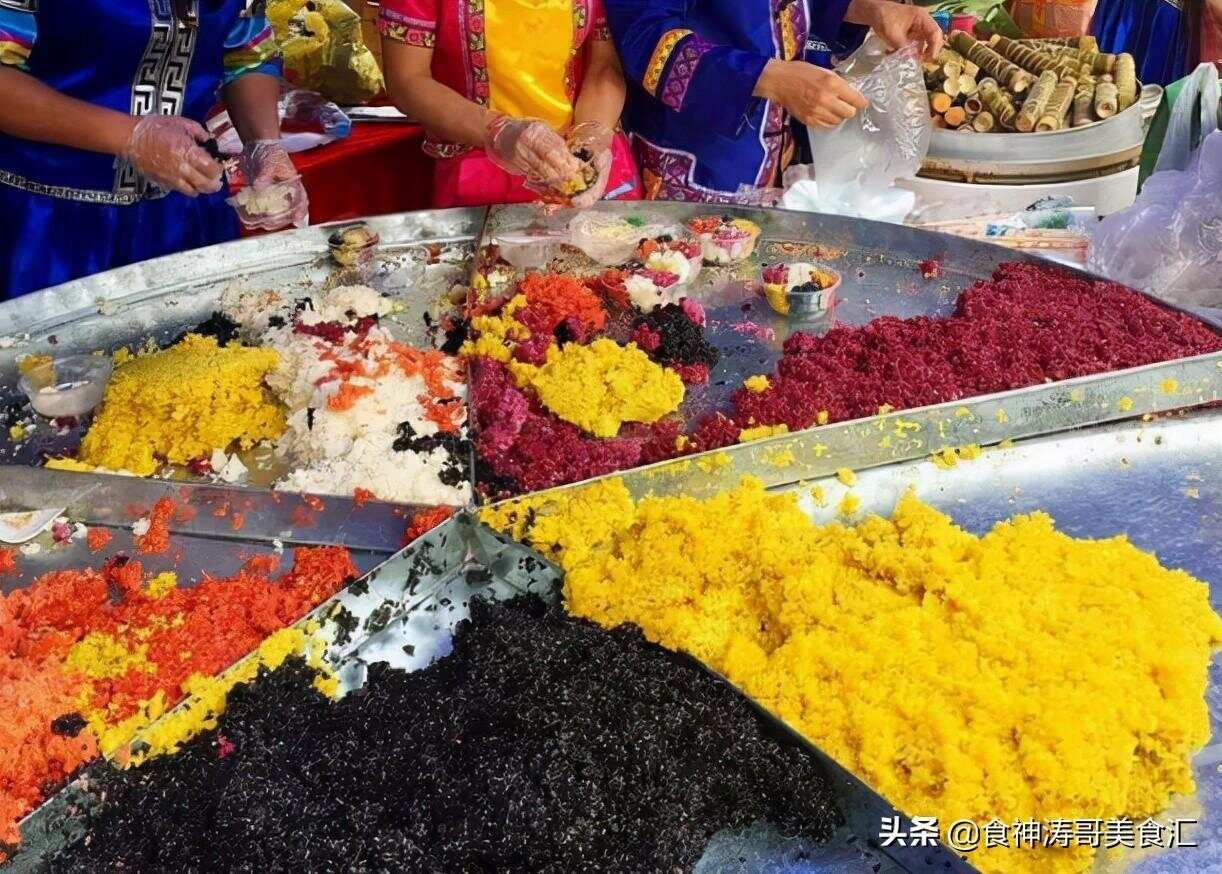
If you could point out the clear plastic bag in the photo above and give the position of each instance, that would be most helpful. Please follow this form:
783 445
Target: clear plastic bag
1196 111
1169 242
857 162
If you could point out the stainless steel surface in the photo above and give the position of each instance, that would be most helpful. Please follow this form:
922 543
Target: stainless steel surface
221 513
1159 484
1095 149
404 613
160 298
1132 476
879 265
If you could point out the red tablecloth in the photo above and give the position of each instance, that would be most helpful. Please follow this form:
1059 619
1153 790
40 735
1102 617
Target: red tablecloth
376 169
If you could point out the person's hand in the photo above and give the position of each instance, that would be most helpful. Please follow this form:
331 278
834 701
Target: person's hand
528 147
265 163
814 96
898 24
596 139
166 150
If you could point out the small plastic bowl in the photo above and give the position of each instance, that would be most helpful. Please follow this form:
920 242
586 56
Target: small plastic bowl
275 199
353 246
67 387
800 303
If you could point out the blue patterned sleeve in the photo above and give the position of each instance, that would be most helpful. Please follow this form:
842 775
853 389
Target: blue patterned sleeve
708 84
251 48
18 30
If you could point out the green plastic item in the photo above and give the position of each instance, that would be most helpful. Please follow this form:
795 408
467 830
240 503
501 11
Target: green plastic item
1158 130
1155 136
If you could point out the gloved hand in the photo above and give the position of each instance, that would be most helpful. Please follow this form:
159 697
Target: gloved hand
528 147
265 163
594 138
166 150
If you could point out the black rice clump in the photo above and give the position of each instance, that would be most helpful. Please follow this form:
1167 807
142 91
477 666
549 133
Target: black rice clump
456 470
217 325
683 341
542 743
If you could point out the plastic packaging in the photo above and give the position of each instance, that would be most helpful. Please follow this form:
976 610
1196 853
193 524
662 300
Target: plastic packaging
1169 242
324 49
1195 111
308 112
611 238
857 162
67 387
307 120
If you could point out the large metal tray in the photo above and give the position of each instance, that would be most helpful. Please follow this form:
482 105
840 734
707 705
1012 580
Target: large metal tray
878 263
404 613
1133 478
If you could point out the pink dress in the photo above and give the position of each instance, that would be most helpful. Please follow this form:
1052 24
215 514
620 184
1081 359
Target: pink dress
525 58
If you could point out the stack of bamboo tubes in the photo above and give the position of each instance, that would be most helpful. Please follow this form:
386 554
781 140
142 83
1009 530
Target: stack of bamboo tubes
1005 85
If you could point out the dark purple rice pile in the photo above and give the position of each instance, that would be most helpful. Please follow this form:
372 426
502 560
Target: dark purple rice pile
542 743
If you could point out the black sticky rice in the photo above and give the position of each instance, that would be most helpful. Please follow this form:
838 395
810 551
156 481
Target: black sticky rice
542 743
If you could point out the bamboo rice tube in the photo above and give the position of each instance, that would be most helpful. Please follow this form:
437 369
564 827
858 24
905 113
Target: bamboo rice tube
1030 59
1126 81
1009 74
1036 102
939 102
950 56
1106 100
1077 42
983 122
998 103
1088 58
1104 63
967 85
1058 106
1084 104
973 105
955 116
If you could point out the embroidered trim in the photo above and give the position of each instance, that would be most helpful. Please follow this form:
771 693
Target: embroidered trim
661 54
602 31
668 174
160 83
581 18
407 30
477 55
683 71
85 195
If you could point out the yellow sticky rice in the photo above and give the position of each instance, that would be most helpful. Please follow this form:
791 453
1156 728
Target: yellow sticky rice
1020 674
182 403
601 386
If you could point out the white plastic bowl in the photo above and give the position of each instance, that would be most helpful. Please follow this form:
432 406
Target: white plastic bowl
67 387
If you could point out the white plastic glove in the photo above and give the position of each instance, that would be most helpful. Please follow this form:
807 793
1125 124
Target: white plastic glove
265 163
166 150
527 147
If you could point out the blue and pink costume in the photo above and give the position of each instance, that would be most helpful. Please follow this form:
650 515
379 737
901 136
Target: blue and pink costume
698 132
68 212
